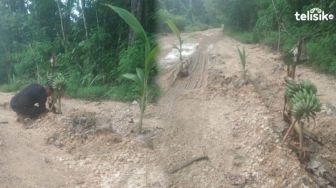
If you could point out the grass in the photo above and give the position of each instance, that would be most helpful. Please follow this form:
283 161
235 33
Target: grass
320 50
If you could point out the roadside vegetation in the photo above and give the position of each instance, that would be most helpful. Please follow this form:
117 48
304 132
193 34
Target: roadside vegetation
92 46
273 23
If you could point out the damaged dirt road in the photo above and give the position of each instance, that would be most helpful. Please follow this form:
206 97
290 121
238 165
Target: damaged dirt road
207 130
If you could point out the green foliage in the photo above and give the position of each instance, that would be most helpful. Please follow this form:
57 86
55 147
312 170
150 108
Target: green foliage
188 15
31 61
31 33
130 58
260 21
180 21
322 53
241 14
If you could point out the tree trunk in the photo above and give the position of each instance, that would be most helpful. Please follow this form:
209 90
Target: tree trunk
84 19
67 17
62 25
279 25
191 10
97 20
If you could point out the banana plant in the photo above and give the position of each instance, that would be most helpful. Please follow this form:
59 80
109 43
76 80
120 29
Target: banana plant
302 104
177 33
141 77
57 83
242 56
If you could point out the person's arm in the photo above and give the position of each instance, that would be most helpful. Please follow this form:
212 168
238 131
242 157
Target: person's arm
42 105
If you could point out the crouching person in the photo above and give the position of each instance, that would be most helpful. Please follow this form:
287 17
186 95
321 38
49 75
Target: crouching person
31 101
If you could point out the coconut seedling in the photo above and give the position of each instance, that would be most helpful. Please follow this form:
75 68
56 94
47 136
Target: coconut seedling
302 105
242 56
183 65
141 77
177 33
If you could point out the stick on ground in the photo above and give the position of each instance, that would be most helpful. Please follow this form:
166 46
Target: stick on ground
187 163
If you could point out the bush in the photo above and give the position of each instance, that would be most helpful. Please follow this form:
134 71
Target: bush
321 52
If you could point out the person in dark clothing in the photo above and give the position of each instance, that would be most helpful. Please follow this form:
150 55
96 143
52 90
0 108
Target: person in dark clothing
31 101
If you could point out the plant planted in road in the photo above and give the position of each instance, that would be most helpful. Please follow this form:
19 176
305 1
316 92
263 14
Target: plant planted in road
177 33
302 105
141 77
242 56
183 65
57 83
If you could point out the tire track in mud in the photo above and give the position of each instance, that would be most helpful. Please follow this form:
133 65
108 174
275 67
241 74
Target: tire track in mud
198 75
198 66
189 124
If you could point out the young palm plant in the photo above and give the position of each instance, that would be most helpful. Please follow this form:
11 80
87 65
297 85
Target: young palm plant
177 33
141 77
242 56
183 71
302 104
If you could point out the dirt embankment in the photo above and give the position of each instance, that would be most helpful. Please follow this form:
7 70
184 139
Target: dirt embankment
234 129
